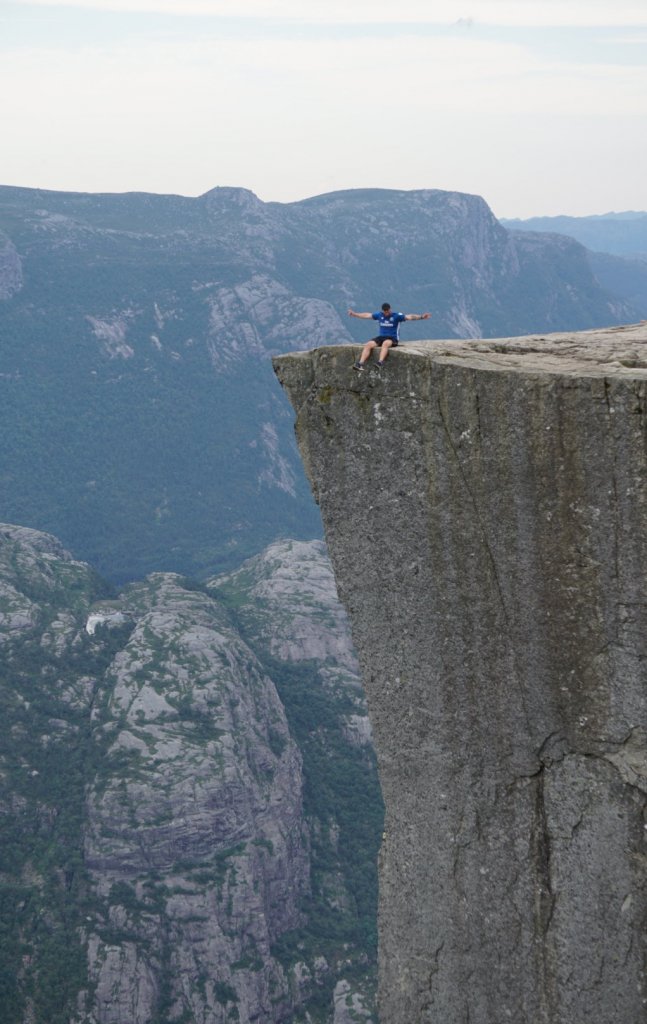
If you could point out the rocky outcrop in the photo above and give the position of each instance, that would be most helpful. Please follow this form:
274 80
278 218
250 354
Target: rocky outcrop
485 507
290 606
180 786
195 837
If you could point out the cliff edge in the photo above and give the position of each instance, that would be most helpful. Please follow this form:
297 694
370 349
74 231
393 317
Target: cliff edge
485 508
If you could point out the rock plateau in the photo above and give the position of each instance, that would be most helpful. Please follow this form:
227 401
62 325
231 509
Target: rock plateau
485 508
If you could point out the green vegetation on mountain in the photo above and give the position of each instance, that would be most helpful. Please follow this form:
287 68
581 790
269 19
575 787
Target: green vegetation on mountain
49 749
188 824
140 420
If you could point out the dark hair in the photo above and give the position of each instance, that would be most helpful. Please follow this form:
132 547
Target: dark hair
386 305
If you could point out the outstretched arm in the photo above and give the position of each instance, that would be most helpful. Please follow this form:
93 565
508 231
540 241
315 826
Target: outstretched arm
417 316
360 316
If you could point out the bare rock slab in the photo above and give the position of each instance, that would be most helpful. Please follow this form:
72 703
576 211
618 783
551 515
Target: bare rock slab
485 508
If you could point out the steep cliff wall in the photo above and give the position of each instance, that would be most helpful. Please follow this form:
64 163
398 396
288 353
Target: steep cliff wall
485 507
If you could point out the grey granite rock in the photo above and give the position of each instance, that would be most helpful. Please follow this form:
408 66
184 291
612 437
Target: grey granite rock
286 607
289 605
485 508
203 790
35 571
153 811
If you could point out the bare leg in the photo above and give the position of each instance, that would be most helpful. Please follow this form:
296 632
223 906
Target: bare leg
384 351
366 351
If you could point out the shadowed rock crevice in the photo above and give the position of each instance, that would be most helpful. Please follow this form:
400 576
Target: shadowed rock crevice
485 508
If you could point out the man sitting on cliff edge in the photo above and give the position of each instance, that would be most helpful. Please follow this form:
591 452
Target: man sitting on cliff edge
389 326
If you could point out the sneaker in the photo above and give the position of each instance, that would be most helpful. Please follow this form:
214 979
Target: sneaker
357 365
381 363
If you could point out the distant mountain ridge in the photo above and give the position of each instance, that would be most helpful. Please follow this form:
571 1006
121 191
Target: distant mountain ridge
623 234
617 244
139 416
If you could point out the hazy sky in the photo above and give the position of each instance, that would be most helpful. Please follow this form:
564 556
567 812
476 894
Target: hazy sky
540 106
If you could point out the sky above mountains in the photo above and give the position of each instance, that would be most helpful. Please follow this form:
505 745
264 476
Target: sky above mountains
540 107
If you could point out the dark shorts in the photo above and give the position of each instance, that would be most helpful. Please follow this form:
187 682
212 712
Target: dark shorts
384 337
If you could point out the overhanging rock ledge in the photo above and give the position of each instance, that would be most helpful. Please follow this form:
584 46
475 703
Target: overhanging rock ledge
485 508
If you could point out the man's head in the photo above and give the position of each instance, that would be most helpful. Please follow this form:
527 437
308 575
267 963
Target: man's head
386 307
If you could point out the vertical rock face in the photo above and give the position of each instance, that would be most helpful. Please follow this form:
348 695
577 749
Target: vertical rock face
197 843
485 506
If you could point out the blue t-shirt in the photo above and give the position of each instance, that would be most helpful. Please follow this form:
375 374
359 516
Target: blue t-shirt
389 325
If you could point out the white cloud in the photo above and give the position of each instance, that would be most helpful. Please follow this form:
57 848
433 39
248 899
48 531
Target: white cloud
246 99
560 13
313 78
312 114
